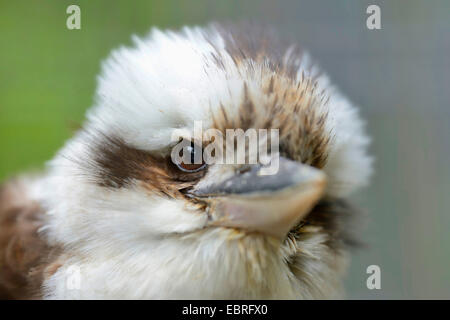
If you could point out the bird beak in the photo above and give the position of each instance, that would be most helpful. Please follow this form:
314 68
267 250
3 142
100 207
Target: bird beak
270 204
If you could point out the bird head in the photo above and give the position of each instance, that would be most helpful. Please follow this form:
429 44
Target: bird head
267 228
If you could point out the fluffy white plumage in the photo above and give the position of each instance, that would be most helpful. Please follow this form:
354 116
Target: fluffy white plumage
129 244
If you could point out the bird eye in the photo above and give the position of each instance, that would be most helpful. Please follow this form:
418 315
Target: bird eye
191 166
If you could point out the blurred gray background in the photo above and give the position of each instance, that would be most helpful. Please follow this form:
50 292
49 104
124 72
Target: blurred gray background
399 76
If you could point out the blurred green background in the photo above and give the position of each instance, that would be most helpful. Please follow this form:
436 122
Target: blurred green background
398 75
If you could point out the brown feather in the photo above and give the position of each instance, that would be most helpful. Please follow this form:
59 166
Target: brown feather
23 253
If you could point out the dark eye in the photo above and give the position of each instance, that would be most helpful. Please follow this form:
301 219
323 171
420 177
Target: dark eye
191 166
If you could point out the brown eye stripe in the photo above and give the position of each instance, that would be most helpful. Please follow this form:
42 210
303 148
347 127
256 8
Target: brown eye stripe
112 163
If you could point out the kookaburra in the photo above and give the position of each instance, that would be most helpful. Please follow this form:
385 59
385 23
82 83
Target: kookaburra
113 217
